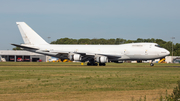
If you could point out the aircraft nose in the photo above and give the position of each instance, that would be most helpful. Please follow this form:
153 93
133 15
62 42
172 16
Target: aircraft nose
165 52
168 52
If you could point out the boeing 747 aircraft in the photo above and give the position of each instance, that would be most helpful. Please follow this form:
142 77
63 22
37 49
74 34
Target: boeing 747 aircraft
94 54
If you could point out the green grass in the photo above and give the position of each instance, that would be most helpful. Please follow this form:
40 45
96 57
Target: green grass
20 77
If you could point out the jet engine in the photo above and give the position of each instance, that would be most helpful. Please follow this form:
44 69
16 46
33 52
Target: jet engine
75 57
101 59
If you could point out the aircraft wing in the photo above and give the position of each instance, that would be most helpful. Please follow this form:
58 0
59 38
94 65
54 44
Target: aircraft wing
93 54
88 56
65 54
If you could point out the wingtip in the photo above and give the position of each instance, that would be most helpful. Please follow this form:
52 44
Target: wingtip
19 22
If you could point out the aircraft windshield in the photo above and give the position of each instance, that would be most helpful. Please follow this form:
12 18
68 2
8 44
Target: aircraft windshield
158 46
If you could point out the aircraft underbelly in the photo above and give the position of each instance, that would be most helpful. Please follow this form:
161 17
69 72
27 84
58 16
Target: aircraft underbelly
143 57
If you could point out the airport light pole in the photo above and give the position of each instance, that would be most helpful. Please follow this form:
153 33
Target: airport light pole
172 48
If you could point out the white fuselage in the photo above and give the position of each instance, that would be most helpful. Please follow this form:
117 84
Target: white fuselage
132 51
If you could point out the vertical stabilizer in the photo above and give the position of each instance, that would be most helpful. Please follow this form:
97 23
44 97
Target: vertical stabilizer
29 35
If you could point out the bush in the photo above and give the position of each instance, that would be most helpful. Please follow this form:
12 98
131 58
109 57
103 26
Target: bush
175 96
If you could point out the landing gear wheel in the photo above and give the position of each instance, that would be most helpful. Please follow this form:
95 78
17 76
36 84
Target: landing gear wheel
102 64
91 64
151 64
88 64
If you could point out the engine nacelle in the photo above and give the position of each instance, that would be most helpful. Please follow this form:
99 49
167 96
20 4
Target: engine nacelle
75 57
101 59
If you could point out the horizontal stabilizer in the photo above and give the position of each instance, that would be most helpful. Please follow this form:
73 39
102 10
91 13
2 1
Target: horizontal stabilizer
25 47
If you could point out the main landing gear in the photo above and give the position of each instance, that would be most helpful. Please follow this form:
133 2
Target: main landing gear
102 64
92 64
95 64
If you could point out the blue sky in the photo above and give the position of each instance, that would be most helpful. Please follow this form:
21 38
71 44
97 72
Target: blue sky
127 19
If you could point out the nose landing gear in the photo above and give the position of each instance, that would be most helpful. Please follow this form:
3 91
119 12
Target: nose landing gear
152 64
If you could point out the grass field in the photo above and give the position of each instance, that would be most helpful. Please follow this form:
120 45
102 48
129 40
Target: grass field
74 82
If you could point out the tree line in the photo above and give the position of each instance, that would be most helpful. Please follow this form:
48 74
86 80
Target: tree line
167 45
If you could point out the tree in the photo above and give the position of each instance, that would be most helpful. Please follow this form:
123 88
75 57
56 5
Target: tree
111 41
84 41
17 48
140 40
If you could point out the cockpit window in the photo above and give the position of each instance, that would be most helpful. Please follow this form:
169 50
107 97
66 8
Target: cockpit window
158 46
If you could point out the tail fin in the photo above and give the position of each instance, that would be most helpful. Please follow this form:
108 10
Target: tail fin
29 35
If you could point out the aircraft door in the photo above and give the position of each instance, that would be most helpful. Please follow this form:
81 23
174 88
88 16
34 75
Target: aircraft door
146 52
125 52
